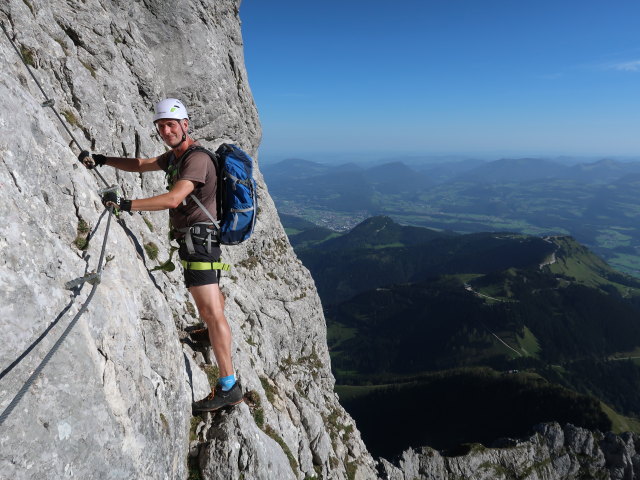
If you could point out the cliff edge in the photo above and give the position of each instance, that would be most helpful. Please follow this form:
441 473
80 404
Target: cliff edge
115 400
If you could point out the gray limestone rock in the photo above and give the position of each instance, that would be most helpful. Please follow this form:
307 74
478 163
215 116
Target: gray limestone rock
246 449
552 453
114 401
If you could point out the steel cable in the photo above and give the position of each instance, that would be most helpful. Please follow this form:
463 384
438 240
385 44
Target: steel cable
25 387
52 324
49 102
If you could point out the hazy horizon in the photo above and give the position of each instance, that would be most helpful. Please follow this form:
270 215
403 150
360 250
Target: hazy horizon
268 158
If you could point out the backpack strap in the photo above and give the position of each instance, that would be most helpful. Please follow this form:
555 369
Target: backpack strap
176 166
187 231
208 213
214 159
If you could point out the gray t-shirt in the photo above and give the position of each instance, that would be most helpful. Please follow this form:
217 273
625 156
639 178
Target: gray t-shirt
200 169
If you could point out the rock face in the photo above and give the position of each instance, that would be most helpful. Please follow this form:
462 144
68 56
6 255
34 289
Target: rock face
114 401
551 453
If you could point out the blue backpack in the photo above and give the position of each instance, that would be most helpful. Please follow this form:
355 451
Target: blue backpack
237 197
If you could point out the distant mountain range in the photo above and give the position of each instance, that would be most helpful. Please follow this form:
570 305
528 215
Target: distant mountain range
433 321
514 169
598 203
532 169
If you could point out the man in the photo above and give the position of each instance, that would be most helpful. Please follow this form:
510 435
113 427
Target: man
189 173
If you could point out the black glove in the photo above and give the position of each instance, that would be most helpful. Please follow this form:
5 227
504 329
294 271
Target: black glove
99 159
112 198
84 159
96 159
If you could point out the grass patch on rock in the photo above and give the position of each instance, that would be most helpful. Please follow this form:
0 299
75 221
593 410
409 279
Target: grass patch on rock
29 56
269 389
149 224
152 250
213 373
285 448
82 237
70 117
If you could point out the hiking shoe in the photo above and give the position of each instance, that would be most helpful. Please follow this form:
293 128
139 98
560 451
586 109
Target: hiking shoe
201 335
218 399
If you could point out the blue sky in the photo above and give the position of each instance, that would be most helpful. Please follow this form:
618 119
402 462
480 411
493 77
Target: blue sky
478 78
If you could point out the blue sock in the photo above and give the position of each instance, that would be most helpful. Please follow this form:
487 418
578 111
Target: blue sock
227 383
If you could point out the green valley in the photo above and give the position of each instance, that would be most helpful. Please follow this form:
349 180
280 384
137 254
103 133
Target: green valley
443 328
596 203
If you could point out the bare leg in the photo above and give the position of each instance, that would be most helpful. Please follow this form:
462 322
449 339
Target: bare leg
210 303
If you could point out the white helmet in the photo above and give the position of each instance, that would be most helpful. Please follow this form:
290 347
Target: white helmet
170 108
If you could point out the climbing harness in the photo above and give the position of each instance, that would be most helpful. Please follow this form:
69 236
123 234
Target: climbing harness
93 278
205 265
203 233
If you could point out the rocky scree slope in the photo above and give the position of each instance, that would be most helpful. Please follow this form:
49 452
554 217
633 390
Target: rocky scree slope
115 401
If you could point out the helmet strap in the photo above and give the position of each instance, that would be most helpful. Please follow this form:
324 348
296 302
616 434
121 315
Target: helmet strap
184 136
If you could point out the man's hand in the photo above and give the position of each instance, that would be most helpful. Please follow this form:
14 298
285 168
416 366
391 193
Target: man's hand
92 160
112 199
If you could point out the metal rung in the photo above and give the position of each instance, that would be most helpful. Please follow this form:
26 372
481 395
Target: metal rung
49 103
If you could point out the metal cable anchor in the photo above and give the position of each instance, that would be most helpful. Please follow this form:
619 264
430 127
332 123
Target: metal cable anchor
93 278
